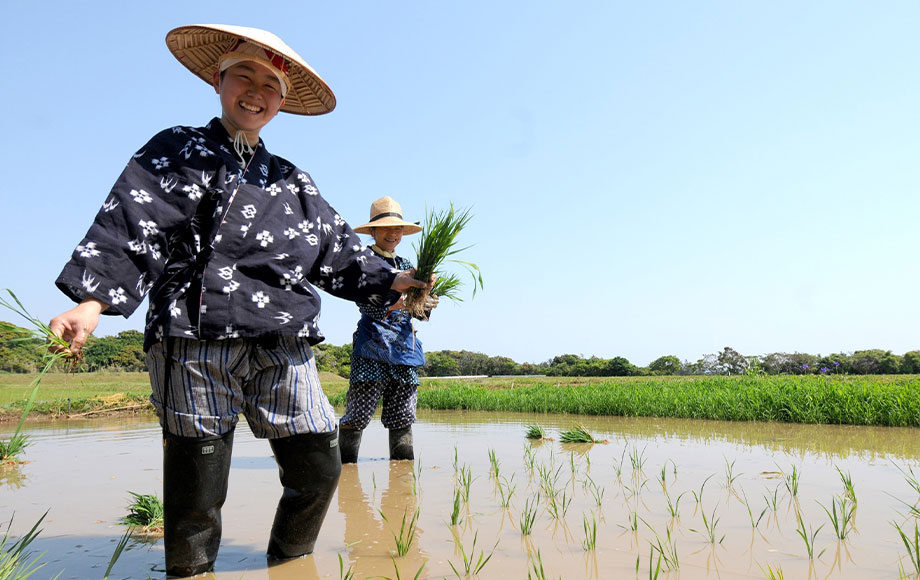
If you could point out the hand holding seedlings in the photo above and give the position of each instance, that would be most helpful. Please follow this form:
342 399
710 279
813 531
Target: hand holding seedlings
75 325
406 279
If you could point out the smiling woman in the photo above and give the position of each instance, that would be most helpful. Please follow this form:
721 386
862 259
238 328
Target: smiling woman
250 97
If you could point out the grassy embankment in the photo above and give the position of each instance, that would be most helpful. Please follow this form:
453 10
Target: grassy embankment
891 400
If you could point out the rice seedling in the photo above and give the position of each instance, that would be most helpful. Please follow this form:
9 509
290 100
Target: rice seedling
637 459
667 549
455 519
406 534
119 548
709 528
808 536
465 481
494 464
529 515
536 566
471 564
634 491
632 519
530 458
773 502
447 286
558 507
674 505
912 545
14 556
146 513
618 466
590 541
506 489
597 492
577 434
699 497
344 574
843 521
730 476
418 573
456 460
662 479
536 432
438 242
771 574
910 477
848 490
791 480
549 479
747 504
653 571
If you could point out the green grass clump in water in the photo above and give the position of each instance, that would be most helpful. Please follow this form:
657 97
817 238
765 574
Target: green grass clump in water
437 243
145 512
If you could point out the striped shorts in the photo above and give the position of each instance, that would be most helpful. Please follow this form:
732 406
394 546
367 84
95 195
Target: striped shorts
274 384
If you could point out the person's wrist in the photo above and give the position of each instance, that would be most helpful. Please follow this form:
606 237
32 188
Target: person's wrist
93 305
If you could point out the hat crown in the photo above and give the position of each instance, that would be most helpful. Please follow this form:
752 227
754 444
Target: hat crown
385 206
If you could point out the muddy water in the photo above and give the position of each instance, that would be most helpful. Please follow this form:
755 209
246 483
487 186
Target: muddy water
81 473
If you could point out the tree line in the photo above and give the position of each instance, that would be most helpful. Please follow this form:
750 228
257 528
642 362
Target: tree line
124 352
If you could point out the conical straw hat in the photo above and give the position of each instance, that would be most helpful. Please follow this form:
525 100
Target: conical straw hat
200 46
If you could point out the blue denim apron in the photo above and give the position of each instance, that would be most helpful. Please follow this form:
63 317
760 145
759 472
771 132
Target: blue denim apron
391 340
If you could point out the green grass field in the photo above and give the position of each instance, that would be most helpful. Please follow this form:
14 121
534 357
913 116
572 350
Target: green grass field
886 400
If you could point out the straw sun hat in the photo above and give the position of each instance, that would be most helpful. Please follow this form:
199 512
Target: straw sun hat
385 212
200 46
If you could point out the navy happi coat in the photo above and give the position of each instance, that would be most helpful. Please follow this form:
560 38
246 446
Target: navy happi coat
223 249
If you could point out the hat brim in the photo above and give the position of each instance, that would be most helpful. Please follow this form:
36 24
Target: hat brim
200 46
389 222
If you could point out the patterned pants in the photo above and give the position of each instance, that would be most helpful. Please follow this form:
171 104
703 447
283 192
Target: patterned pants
370 381
210 382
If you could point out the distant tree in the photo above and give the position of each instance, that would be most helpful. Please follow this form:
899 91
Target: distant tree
18 355
665 365
620 367
440 364
731 362
704 366
99 352
910 362
130 358
333 359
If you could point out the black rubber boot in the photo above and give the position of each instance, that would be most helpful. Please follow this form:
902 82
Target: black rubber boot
349 442
401 443
309 466
195 473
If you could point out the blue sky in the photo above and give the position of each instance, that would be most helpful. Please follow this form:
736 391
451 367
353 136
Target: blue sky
646 178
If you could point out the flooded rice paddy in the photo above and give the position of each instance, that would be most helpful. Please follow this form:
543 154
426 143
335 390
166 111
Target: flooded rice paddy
737 474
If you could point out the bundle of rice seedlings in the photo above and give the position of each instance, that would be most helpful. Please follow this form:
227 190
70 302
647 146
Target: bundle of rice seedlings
579 434
40 334
146 513
437 243
53 349
535 432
